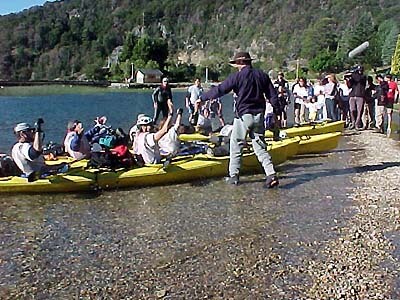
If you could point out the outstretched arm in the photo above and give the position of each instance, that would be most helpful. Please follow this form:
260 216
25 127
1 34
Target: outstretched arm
164 129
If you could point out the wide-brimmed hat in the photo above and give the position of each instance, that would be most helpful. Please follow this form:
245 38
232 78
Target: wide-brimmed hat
240 58
23 127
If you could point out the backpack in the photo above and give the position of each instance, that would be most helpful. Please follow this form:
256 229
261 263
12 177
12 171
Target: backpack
8 166
101 160
53 148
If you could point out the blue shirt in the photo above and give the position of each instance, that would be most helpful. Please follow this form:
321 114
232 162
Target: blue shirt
252 87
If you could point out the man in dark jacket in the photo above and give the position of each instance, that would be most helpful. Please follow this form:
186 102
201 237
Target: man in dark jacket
357 81
162 100
380 109
252 87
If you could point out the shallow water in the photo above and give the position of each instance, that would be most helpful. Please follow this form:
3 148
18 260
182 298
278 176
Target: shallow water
183 241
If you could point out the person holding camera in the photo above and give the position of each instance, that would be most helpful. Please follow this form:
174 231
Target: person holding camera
27 152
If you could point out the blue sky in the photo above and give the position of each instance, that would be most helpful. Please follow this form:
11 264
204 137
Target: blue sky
13 6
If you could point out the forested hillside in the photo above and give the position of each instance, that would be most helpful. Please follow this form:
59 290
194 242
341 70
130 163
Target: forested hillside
76 39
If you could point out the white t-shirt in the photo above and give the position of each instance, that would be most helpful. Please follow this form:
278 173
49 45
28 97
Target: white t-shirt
328 89
169 144
146 146
345 89
318 90
312 107
301 92
20 155
194 92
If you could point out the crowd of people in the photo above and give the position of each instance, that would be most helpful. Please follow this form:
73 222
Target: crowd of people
358 99
259 104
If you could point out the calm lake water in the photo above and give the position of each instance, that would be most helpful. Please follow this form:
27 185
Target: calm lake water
120 108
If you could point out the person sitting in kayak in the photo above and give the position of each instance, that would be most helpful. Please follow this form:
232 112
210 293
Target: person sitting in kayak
27 152
169 144
146 140
134 129
77 142
204 122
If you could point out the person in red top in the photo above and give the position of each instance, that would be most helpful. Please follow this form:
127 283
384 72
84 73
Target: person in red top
392 97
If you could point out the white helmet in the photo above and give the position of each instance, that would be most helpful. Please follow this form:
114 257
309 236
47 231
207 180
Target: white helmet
144 120
22 127
283 134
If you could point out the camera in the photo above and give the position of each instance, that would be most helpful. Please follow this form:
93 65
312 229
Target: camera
38 125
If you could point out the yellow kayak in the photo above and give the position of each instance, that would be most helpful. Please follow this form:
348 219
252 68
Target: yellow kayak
62 183
307 129
181 169
319 143
187 169
311 129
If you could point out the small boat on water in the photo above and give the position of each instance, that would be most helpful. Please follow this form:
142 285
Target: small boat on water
181 169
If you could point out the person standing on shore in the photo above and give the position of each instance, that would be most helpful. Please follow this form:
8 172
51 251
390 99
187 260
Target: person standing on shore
392 97
193 93
368 117
381 97
357 81
162 100
252 87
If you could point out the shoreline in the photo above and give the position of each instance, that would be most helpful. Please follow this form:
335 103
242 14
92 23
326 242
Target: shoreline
363 263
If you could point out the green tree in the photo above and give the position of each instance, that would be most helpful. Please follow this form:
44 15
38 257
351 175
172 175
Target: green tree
396 59
389 45
148 48
326 61
364 30
319 36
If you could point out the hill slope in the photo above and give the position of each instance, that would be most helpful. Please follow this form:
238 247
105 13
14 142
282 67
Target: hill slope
70 37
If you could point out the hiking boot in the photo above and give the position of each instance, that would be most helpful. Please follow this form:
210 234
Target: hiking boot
271 182
234 180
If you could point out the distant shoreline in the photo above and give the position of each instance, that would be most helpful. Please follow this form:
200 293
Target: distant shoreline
39 88
90 83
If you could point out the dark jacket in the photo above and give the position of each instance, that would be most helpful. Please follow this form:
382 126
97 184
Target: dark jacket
381 93
357 83
252 87
162 94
